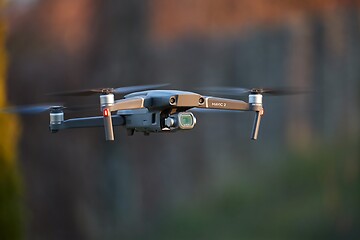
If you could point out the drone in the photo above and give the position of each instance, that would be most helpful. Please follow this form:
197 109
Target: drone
149 109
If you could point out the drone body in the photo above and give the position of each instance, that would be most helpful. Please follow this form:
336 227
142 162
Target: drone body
152 111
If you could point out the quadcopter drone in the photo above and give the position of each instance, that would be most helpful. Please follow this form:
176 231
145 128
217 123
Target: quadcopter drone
150 110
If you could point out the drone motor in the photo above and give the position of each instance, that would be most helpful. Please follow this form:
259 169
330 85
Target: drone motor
56 118
107 99
255 99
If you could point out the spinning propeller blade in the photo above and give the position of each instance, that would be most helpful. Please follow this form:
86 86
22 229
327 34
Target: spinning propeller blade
30 109
234 91
41 108
121 90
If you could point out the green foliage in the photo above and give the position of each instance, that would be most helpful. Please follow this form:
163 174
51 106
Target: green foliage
313 195
10 205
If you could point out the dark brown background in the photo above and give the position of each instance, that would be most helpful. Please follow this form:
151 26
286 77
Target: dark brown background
77 186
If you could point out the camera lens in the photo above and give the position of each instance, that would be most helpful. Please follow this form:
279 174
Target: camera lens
186 120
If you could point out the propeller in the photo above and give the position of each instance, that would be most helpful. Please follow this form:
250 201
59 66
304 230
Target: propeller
121 90
234 91
40 108
31 109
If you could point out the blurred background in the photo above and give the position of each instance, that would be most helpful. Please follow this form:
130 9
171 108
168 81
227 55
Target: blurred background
300 180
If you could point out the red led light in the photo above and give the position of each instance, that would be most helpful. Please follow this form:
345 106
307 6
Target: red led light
106 112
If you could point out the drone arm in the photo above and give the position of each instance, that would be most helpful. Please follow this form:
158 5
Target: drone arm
127 104
87 122
225 104
232 104
107 108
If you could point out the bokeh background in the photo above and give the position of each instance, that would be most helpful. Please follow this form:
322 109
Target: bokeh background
300 180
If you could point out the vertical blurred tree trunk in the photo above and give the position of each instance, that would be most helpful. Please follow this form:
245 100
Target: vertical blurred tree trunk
10 207
300 64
